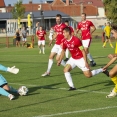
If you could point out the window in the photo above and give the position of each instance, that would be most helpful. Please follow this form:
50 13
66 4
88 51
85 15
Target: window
90 2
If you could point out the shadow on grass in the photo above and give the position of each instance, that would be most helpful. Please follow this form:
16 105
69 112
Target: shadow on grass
109 83
32 89
63 97
51 86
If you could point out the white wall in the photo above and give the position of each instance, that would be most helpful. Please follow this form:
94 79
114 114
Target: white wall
3 9
101 12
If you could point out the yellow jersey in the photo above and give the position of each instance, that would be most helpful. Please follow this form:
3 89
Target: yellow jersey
107 30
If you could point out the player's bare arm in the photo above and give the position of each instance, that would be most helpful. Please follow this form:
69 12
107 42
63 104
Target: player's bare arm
111 56
76 32
61 57
37 35
93 28
110 62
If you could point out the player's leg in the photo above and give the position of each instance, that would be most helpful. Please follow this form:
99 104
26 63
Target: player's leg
3 87
54 51
69 66
86 45
105 42
67 55
113 75
39 46
103 37
58 56
43 46
110 43
81 64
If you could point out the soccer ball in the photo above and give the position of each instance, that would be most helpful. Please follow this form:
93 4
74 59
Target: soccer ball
23 90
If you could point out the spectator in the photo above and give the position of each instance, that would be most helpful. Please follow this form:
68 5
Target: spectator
24 35
17 38
51 32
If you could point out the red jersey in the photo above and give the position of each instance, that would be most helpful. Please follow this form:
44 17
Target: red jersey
73 46
85 29
59 30
71 29
41 34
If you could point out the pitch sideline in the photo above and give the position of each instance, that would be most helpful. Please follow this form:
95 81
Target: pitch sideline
80 111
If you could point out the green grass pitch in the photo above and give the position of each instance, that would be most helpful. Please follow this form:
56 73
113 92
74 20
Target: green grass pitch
48 96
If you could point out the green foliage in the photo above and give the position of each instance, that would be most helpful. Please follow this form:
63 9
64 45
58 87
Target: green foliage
18 10
111 10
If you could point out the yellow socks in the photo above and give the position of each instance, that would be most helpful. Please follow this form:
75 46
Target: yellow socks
111 45
104 44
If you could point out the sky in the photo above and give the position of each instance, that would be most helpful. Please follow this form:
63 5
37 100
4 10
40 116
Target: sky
24 1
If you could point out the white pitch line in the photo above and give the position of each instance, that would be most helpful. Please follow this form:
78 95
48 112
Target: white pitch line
80 111
99 92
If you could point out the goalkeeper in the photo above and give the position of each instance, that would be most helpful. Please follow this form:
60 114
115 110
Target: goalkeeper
5 89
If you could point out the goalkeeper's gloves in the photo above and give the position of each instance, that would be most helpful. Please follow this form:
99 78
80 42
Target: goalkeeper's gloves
13 70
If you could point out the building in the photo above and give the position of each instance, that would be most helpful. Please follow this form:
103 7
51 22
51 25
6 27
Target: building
70 9
2 6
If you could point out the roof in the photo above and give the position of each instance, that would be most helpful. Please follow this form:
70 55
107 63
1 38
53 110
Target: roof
47 14
72 9
75 10
97 3
2 4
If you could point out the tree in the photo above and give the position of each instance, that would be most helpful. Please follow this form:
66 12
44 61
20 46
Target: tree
18 11
111 10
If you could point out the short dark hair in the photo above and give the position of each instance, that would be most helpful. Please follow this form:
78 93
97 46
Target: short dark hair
59 15
67 29
84 14
114 26
67 21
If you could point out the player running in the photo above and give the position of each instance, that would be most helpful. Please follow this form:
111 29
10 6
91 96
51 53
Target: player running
67 51
113 71
58 36
107 31
85 27
4 87
41 35
78 57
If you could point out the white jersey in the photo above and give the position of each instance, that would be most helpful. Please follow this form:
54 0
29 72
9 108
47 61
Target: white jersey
50 35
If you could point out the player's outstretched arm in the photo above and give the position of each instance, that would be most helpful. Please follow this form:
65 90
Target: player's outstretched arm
9 69
110 62
93 28
13 70
3 68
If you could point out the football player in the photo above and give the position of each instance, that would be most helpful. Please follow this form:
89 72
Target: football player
78 57
67 51
107 31
4 87
41 35
113 71
85 26
56 50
